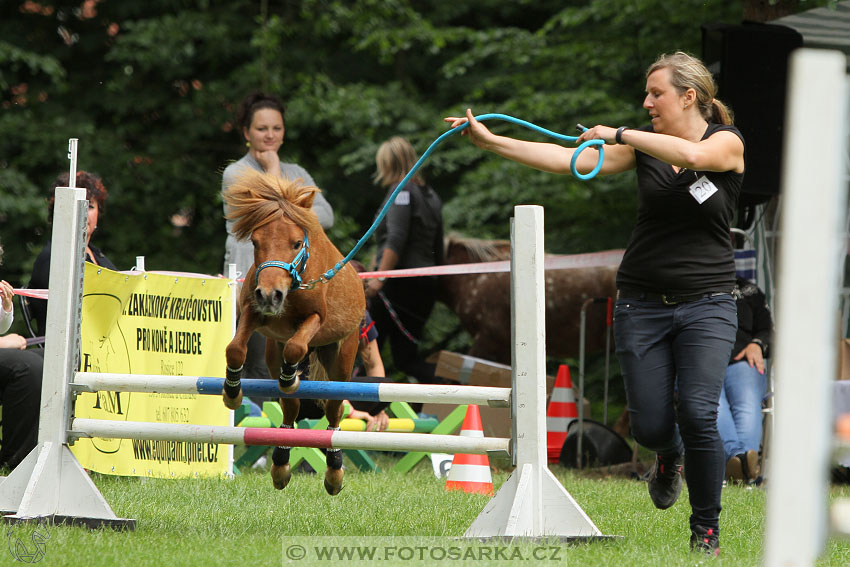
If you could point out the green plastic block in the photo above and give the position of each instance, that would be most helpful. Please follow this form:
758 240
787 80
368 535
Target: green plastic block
403 409
361 459
274 413
449 425
310 454
256 421
240 413
249 457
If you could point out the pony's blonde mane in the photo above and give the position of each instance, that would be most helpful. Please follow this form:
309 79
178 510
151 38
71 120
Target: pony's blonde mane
479 249
255 199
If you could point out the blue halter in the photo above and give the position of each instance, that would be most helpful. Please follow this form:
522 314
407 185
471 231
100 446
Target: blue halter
295 268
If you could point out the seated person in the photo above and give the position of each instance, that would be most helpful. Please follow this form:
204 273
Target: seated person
372 366
20 386
739 419
40 278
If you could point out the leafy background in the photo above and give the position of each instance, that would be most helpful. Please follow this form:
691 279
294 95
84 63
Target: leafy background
150 87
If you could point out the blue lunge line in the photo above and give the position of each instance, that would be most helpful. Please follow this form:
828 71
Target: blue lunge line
308 389
599 144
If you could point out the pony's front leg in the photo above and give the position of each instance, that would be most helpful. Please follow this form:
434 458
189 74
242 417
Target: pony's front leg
281 471
235 355
294 350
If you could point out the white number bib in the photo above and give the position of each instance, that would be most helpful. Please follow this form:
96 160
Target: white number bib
702 189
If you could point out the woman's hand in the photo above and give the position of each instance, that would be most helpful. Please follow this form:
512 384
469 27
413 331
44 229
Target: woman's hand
477 132
599 132
753 355
269 161
378 422
13 340
6 295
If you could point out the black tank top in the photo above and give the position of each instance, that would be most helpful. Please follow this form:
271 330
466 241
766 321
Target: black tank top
679 245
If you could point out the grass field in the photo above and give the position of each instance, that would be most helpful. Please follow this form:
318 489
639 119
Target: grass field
245 522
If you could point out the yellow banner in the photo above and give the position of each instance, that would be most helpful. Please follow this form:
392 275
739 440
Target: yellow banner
176 325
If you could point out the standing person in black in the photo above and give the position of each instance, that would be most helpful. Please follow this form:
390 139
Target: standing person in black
410 236
40 278
675 318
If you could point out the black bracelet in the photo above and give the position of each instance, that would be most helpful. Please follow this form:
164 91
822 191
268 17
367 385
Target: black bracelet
618 137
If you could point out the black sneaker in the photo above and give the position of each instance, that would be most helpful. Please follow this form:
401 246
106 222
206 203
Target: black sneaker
706 540
665 481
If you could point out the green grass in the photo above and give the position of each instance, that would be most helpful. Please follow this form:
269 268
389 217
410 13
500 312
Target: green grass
245 522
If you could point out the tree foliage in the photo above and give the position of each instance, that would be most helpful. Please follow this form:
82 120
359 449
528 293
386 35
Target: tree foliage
150 88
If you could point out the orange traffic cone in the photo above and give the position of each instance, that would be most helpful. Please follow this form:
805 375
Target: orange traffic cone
471 473
561 412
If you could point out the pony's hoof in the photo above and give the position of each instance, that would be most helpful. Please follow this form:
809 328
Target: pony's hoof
287 386
281 475
232 403
333 481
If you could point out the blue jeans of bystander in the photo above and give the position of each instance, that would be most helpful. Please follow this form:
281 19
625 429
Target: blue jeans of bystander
739 413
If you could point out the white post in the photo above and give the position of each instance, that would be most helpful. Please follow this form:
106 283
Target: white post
72 157
49 483
140 263
806 307
234 297
531 503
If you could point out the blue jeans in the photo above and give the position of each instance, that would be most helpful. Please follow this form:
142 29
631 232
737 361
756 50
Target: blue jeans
679 349
739 413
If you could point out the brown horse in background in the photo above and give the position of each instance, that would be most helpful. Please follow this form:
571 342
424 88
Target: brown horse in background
482 302
290 247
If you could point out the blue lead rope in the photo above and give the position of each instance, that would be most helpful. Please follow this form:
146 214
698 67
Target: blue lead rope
599 144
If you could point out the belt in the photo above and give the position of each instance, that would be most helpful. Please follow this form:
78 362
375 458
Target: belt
666 298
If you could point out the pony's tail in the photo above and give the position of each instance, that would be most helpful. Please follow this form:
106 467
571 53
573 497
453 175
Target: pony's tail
318 372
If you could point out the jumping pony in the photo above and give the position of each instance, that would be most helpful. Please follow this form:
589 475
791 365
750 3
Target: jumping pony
482 301
322 320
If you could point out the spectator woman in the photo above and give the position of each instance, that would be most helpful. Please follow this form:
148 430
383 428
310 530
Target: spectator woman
40 278
260 122
259 119
674 320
